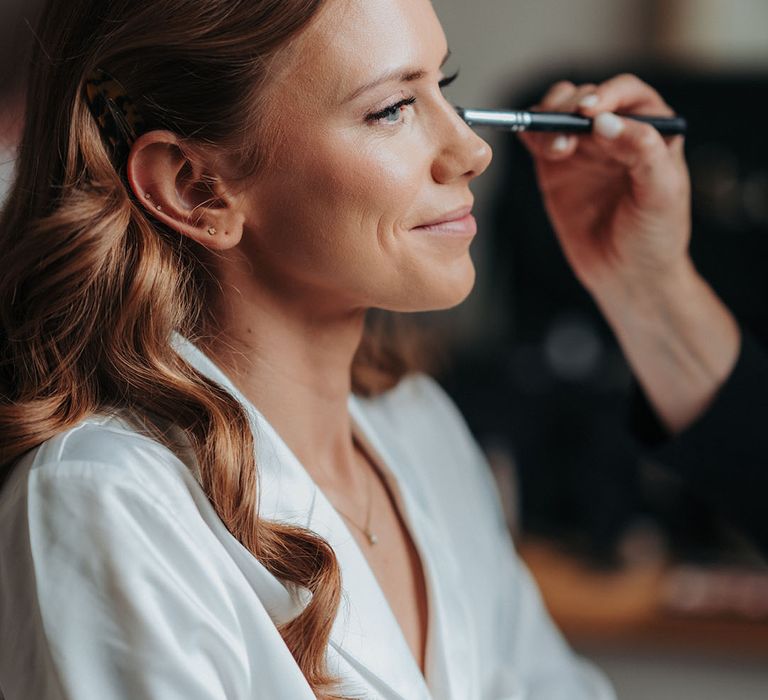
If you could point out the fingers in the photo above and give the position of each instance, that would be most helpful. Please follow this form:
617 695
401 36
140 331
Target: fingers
561 97
653 167
557 94
629 142
625 94
551 147
565 97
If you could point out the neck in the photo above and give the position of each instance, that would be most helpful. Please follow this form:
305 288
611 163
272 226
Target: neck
294 365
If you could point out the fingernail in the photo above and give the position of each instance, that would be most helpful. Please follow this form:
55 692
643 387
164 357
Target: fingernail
561 143
608 125
589 101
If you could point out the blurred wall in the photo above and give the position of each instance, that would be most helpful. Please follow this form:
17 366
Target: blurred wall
502 43
713 34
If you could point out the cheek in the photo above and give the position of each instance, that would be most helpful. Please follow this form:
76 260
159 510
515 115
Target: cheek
353 196
373 185
338 218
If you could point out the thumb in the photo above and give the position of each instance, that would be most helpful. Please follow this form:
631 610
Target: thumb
642 150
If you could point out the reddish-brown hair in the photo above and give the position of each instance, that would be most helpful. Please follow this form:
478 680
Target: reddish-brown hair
92 290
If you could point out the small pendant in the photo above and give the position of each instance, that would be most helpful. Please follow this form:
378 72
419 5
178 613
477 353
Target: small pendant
371 537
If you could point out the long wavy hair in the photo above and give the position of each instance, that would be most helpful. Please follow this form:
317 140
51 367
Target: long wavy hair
92 290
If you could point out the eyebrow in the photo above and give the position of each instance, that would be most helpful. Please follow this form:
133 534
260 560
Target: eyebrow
399 75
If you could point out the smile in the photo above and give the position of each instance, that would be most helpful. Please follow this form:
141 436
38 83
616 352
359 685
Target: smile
458 223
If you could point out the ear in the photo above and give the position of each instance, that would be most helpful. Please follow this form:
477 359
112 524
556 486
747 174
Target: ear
178 188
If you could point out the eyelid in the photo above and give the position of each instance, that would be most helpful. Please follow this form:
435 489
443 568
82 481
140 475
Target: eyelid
391 109
445 82
375 116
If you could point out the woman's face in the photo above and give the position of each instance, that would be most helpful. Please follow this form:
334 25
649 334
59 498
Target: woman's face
372 153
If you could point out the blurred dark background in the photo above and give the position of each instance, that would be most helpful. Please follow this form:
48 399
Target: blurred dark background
16 38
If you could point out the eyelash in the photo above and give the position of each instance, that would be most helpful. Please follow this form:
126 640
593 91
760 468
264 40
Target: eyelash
395 108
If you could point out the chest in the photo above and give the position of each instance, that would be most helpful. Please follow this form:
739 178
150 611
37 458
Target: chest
381 531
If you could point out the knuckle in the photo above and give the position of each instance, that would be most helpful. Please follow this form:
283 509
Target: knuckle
647 145
614 87
562 85
560 88
648 140
628 78
665 108
647 137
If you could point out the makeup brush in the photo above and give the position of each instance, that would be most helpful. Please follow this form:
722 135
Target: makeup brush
518 120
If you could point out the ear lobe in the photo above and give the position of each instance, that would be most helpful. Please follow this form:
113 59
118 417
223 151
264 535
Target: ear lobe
176 189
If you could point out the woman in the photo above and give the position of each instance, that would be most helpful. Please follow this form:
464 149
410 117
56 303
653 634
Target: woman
210 196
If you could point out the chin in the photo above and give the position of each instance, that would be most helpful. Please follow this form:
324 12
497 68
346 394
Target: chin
439 294
454 296
456 288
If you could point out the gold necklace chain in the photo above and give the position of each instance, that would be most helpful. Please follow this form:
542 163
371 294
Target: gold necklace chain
365 529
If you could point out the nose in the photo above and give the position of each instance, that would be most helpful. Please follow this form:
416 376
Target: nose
462 153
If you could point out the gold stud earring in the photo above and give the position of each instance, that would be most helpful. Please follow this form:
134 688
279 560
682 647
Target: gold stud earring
211 231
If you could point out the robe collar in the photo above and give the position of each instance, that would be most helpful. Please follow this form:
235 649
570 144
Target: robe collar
365 634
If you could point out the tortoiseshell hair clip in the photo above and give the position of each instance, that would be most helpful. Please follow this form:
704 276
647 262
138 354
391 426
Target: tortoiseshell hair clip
115 112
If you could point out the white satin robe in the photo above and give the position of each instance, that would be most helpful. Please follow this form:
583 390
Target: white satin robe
119 582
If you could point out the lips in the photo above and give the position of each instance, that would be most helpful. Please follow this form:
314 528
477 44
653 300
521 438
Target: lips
458 223
450 217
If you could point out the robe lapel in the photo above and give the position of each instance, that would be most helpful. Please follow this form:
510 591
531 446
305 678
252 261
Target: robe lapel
452 664
365 635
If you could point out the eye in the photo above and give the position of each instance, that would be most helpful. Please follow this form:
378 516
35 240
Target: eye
445 82
391 114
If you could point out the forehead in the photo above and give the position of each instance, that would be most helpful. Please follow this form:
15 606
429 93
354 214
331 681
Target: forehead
354 41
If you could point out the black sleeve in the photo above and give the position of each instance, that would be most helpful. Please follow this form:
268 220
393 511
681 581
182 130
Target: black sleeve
724 454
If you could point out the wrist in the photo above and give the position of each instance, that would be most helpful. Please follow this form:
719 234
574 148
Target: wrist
646 296
680 339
